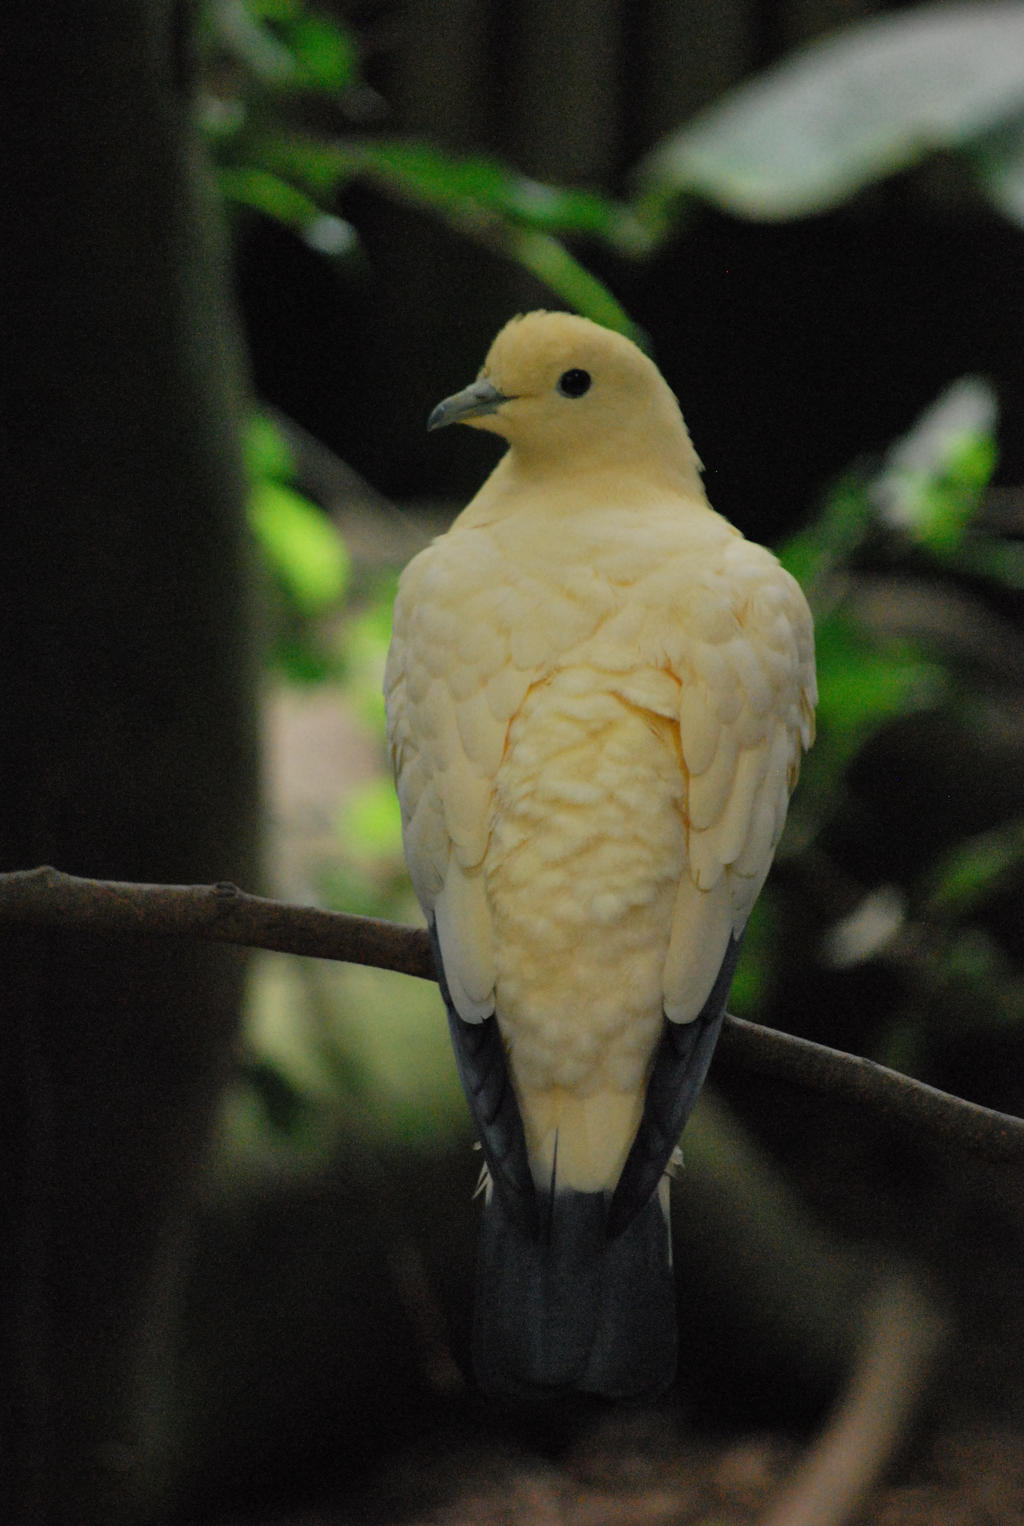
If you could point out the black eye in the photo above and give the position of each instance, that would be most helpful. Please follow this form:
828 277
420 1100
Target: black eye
574 383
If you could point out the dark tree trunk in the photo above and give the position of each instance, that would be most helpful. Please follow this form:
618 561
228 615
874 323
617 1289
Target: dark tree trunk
127 735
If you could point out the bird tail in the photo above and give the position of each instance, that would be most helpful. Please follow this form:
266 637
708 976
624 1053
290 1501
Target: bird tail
572 1309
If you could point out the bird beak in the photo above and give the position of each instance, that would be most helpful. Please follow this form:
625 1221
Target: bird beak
472 402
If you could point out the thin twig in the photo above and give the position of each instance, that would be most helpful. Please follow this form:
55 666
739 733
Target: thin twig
902 1338
222 913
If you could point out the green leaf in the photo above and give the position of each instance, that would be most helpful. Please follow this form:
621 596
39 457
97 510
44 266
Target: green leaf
263 191
332 236
863 104
300 545
998 161
552 263
365 640
482 199
863 685
324 53
444 181
814 553
370 822
285 46
751 985
457 187
933 479
977 868
321 168
267 452
240 31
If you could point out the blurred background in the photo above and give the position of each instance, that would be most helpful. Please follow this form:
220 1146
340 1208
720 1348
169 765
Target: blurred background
255 245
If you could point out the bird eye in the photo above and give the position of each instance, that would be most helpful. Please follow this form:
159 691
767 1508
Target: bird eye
574 383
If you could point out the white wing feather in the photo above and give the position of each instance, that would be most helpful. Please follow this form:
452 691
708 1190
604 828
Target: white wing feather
745 716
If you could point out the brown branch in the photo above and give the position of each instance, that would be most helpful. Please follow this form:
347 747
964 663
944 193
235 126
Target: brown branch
992 1135
902 1338
222 913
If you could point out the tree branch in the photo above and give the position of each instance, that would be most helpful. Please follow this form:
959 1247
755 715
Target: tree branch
222 913
768 1052
902 1338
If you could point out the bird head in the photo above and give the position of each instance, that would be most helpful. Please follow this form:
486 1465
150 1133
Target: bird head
562 390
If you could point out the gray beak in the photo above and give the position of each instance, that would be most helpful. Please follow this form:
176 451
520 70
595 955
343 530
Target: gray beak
472 402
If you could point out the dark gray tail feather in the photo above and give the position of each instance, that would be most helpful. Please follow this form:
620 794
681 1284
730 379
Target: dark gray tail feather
574 1309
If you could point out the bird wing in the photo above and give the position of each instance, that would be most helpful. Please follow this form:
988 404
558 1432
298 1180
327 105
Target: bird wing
451 690
744 657
466 647
746 713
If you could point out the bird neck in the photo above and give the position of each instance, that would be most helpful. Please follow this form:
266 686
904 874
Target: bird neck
618 467
564 490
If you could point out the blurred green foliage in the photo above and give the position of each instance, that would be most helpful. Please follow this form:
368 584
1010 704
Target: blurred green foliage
299 544
852 109
976 868
922 508
809 134
816 130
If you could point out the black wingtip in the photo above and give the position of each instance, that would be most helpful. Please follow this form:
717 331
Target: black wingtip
480 1057
680 1066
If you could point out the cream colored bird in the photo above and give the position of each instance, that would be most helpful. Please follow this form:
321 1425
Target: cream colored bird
598 694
